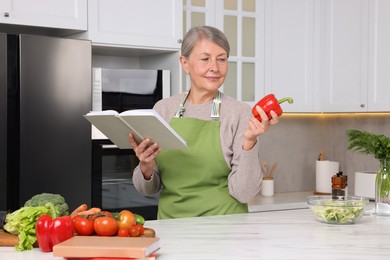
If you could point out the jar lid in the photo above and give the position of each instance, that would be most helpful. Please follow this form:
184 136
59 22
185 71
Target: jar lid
339 179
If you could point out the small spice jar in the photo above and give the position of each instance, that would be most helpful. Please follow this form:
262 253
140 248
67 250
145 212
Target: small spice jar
339 185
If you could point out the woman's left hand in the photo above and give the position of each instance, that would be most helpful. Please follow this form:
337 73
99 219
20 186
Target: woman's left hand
257 128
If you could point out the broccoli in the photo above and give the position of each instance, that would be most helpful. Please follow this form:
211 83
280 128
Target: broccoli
60 205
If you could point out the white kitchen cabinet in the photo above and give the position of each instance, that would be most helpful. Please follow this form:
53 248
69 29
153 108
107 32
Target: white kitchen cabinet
137 24
329 55
290 52
131 34
344 56
379 56
60 14
272 48
242 23
355 56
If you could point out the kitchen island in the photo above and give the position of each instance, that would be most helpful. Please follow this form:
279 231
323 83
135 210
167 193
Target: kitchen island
289 234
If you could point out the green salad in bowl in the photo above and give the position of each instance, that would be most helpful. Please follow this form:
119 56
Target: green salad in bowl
340 210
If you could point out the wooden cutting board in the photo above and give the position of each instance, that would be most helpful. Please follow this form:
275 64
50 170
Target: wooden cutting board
7 239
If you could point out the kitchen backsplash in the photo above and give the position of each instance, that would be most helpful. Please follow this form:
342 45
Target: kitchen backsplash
296 141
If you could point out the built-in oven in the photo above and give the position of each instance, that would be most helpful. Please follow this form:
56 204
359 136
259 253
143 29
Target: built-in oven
112 185
112 168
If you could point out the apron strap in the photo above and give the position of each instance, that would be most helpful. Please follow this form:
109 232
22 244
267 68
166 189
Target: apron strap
181 110
216 106
214 109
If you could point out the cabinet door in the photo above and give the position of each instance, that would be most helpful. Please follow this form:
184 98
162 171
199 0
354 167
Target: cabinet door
379 56
242 22
147 23
289 53
344 56
62 14
272 48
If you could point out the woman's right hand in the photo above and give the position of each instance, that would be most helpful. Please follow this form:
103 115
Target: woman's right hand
146 153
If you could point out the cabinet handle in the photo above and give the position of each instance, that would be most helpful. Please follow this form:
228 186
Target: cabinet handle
109 146
6 14
362 105
179 41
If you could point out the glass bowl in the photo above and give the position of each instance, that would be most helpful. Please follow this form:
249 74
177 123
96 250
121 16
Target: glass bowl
339 210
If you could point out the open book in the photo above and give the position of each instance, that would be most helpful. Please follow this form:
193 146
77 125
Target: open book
143 123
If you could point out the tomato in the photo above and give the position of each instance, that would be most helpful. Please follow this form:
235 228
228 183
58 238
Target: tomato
123 232
107 213
105 226
93 216
139 219
75 218
83 226
134 231
140 228
126 219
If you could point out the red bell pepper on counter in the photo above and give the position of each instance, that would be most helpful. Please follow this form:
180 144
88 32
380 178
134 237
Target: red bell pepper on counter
51 231
269 103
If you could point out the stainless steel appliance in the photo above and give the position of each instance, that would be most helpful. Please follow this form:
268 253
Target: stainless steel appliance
45 145
112 168
112 186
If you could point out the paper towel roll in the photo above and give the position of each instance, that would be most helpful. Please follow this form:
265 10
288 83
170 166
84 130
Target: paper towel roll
324 172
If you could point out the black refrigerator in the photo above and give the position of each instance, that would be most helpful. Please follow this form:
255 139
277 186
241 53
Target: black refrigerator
45 143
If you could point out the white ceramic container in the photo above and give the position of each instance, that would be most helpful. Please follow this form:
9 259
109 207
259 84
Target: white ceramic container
365 184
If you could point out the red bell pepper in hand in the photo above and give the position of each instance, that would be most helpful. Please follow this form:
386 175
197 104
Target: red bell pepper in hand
53 231
269 103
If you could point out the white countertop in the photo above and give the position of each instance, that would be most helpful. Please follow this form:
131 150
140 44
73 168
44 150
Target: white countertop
289 234
280 201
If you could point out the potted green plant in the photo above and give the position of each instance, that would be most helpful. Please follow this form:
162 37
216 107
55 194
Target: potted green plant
379 147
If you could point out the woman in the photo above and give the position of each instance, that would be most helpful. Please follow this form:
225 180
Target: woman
220 172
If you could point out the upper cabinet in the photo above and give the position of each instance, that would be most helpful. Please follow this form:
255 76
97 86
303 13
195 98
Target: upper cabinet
272 45
133 34
60 14
355 56
379 56
329 55
138 24
290 51
242 23
344 55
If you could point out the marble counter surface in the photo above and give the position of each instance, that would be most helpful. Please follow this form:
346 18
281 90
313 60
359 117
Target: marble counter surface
280 201
290 234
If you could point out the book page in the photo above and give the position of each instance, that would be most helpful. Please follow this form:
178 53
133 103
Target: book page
147 123
113 128
144 123
104 112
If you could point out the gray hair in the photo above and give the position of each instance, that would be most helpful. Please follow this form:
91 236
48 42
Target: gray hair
199 33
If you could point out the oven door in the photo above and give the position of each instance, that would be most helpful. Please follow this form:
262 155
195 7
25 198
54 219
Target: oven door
112 186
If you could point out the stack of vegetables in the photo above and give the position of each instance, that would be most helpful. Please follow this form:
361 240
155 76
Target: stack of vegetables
22 221
94 221
45 219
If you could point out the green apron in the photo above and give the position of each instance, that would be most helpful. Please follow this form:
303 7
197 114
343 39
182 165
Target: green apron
195 181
